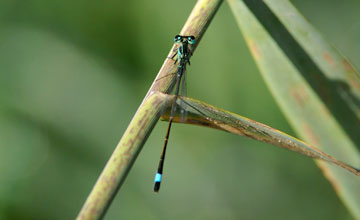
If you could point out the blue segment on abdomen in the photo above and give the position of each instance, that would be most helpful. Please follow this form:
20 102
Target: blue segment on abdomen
158 177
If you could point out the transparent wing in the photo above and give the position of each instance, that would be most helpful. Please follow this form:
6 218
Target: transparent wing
183 105
163 77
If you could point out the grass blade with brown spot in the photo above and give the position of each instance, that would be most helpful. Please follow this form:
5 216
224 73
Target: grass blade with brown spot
316 87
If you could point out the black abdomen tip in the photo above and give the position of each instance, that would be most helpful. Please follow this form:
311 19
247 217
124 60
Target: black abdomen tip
156 186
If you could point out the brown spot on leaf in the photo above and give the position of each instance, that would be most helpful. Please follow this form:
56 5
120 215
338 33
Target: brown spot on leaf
353 78
310 135
299 95
254 50
329 59
132 130
348 67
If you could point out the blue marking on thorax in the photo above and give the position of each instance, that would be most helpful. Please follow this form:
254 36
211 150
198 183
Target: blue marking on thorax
179 54
158 177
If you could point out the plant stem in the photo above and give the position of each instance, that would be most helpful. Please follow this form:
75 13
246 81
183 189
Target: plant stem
144 120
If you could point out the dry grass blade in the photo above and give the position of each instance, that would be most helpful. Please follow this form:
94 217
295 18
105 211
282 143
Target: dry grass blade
207 115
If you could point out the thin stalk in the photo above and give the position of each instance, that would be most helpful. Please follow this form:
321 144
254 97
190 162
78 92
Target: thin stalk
144 120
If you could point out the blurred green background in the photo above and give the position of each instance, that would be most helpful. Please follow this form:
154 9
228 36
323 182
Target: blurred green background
72 74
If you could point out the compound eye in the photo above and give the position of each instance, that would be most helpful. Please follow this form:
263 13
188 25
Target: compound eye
191 39
177 38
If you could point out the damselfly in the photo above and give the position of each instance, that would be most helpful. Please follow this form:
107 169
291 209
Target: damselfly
183 57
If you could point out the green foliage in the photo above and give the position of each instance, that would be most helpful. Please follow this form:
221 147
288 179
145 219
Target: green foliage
317 88
72 74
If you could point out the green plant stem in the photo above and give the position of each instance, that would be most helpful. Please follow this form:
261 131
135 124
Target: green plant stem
143 121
